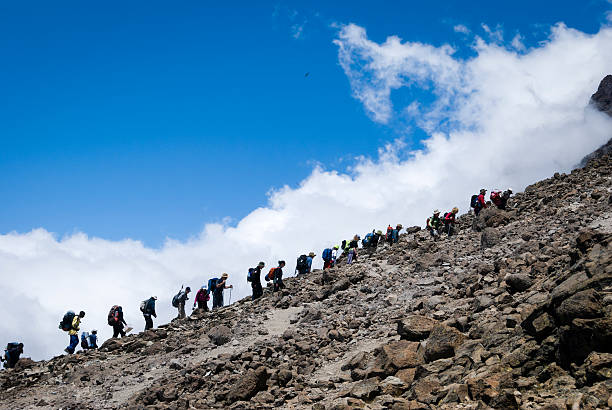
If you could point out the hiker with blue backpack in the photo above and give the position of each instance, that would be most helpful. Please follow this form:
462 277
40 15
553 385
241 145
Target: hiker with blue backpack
254 276
89 341
147 307
216 286
70 323
11 354
327 257
178 301
478 202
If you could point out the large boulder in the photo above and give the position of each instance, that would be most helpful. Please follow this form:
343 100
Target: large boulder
584 305
415 327
489 238
249 385
398 355
518 282
442 342
220 335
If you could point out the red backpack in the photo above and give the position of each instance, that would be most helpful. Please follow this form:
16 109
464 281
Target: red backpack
495 197
270 275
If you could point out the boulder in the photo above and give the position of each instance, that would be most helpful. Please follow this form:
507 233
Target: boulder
249 385
220 335
584 305
489 238
398 355
518 282
415 327
442 342
366 389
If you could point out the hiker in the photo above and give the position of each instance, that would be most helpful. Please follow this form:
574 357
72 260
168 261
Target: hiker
478 202
147 308
395 233
11 354
202 299
504 199
254 276
433 224
449 221
352 250
89 341
367 240
327 257
278 276
178 301
217 286
496 197
309 259
71 323
376 238
301 266
389 235
116 320
334 255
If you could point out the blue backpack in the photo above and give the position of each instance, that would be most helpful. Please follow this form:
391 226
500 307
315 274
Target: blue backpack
327 254
367 239
212 284
250 275
85 340
474 201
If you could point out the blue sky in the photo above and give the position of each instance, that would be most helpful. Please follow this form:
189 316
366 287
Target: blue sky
149 119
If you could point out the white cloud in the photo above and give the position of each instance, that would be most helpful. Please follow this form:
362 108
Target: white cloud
514 119
460 28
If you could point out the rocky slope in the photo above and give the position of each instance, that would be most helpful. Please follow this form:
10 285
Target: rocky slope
601 100
512 312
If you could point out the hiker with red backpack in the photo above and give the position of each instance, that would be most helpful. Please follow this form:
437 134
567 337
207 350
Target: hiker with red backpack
254 276
276 276
71 323
327 257
116 320
202 299
449 221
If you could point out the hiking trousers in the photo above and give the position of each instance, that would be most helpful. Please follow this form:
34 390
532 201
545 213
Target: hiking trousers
217 300
257 290
181 310
203 305
148 322
74 342
118 330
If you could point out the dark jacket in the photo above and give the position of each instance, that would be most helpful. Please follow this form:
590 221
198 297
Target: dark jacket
150 308
256 275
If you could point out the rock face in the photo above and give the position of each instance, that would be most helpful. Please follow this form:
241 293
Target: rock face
602 100
521 318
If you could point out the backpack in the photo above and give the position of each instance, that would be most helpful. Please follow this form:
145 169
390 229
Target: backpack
143 306
84 340
343 245
270 275
495 197
367 239
302 264
474 201
66 322
327 254
212 284
111 314
175 299
250 275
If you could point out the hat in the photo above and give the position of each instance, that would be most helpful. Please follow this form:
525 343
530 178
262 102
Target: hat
399 226
437 211
82 314
379 232
281 263
336 247
154 297
312 254
94 331
203 287
225 275
482 191
187 289
510 190
261 264
455 210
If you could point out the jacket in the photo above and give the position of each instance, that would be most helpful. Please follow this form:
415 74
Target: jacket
434 222
449 218
74 329
201 296
150 308
481 199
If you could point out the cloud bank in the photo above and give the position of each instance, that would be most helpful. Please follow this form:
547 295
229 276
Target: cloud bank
507 116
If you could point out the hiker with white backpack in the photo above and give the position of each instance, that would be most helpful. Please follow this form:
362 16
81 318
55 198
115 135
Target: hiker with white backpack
147 307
